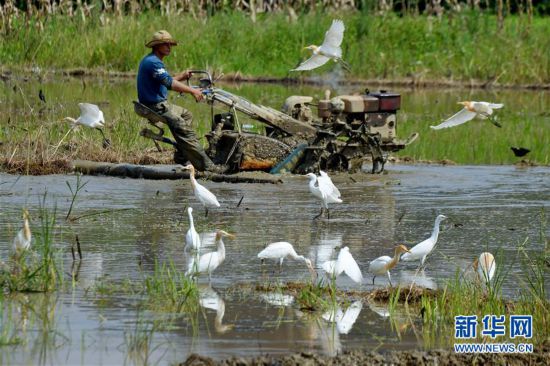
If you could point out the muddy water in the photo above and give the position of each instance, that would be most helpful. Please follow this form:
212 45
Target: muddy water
138 222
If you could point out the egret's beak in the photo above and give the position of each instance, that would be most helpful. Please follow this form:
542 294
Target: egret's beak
231 236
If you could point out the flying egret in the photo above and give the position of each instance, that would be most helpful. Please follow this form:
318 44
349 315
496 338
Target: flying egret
344 320
281 250
205 197
330 49
90 116
208 262
422 249
22 240
345 263
192 238
382 265
471 110
324 190
485 267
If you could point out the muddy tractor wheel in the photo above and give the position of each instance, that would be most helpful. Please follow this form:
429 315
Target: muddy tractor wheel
336 162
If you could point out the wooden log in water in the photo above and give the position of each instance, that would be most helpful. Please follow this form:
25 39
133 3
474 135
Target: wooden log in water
161 171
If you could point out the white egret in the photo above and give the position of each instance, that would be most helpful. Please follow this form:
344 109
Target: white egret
330 49
90 116
344 320
485 267
345 263
192 238
324 192
22 240
281 250
210 299
471 110
382 265
208 262
421 250
324 177
205 197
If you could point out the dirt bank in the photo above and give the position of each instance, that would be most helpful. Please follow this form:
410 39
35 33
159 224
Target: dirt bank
360 357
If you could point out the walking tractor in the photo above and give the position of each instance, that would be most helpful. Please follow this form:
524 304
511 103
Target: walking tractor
345 132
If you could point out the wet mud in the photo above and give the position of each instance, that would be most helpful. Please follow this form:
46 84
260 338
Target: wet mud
362 357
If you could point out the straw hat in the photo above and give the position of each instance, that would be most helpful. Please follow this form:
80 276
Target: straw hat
161 37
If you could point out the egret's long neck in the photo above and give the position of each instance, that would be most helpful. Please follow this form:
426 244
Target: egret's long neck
312 182
221 246
191 222
220 312
192 178
27 229
394 261
435 232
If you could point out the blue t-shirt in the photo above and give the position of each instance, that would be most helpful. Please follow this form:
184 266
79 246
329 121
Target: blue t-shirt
153 81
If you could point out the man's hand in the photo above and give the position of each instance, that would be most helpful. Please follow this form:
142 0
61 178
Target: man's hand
183 76
197 94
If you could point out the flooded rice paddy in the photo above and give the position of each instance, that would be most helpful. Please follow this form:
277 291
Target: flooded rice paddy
126 225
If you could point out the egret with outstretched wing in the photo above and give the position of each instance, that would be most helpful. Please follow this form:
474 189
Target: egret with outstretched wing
90 116
471 110
330 49
323 189
345 263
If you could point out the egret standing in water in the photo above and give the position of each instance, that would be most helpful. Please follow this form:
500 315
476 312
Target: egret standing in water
345 263
192 238
485 267
330 49
205 197
208 262
325 190
471 110
22 240
382 265
421 250
281 250
90 116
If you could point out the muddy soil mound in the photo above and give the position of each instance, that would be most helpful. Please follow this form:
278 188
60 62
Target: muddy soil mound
409 358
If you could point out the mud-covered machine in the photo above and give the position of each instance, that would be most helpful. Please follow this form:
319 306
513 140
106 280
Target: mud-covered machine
345 132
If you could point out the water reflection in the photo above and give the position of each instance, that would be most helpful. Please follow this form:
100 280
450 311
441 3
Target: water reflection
344 320
277 299
418 278
211 299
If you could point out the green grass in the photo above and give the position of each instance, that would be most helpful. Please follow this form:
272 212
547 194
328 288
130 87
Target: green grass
39 269
460 46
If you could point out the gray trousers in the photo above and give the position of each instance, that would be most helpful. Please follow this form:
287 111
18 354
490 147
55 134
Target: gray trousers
179 121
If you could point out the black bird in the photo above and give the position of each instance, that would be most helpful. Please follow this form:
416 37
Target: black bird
520 151
41 96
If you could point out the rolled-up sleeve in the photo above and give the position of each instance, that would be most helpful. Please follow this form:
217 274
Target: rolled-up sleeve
160 74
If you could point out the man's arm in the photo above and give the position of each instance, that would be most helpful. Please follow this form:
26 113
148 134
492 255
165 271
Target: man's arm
182 88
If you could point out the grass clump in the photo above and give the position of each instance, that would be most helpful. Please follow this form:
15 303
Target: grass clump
166 290
38 269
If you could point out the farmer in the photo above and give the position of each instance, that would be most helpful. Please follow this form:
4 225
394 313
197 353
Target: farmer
153 83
